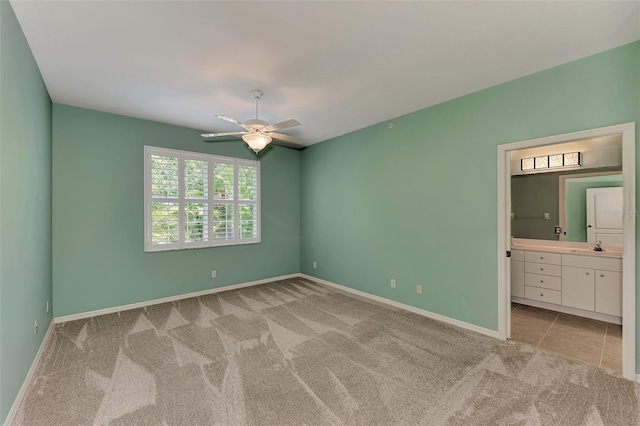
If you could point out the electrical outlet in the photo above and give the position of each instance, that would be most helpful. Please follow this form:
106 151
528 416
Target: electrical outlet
213 274
315 265
393 283
418 289
35 327
47 306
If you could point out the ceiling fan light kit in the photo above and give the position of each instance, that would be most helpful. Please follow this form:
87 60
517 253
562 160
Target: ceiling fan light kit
258 133
256 141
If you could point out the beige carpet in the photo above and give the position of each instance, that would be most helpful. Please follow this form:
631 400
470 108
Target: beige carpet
295 352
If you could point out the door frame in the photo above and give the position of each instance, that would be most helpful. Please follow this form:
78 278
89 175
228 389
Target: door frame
627 130
562 202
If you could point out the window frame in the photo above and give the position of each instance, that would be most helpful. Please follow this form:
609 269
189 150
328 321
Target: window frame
182 200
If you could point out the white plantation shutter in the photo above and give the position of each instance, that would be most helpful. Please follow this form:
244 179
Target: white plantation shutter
247 202
198 200
196 197
223 199
165 212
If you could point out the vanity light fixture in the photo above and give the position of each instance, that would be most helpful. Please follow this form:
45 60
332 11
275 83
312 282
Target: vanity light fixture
542 162
527 164
570 159
556 160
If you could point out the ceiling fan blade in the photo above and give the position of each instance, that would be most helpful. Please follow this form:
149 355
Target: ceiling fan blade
215 135
286 140
283 125
231 120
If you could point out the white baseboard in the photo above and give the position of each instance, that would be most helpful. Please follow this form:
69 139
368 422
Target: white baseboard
25 383
409 308
428 314
121 308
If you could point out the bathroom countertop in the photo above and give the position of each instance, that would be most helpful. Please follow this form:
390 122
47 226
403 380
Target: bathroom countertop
616 254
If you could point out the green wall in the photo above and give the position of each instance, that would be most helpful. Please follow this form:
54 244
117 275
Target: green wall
25 207
98 215
418 202
576 202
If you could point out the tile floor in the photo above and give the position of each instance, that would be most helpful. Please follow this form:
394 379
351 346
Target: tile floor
595 342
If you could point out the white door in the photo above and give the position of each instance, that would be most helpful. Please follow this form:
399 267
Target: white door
604 215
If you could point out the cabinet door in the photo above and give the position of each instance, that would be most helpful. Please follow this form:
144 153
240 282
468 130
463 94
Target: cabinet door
517 278
578 288
609 293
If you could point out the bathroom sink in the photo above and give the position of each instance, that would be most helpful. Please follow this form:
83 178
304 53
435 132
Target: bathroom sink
591 252
586 251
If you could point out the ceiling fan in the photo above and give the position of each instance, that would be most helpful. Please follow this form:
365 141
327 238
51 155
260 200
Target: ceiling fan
258 133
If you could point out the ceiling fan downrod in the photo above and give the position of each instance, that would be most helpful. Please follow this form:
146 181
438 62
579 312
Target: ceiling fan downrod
257 94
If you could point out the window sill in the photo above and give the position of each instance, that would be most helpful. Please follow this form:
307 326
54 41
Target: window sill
192 247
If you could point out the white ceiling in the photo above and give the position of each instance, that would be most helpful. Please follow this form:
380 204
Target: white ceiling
334 66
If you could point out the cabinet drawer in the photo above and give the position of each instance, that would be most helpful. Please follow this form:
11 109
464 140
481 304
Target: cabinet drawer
595 262
542 294
543 269
544 281
542 257
517 255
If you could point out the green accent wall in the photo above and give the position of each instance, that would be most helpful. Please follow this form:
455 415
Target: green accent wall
25 207
98 215
418 202
576 202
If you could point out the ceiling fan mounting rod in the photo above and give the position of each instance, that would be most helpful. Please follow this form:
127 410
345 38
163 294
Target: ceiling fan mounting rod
257 94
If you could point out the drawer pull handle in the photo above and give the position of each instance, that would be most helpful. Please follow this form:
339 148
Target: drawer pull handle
542 269
587 273
541 281
602 275
541 257
542 295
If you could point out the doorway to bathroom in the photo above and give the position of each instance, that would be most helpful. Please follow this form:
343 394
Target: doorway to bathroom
560 287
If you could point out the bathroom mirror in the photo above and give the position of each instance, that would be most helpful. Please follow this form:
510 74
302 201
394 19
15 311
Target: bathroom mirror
553 195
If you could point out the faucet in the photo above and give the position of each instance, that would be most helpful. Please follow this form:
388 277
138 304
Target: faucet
597 246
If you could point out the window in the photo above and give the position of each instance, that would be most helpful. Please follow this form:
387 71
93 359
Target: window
199 200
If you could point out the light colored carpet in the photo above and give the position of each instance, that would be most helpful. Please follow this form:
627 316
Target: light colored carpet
295 352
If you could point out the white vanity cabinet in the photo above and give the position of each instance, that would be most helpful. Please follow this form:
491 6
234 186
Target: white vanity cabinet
584 285
517 273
